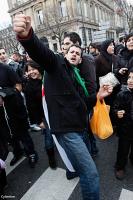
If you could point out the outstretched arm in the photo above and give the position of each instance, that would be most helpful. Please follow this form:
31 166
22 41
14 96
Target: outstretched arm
33 46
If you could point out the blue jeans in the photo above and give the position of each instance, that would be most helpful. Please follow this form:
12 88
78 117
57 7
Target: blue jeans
75 147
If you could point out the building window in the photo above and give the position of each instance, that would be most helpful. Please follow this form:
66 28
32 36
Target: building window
19 2
84 36
109 35
104 15
39 17
96 13
63 8
86 8
55 47
91 12
100 14
79 7
89 34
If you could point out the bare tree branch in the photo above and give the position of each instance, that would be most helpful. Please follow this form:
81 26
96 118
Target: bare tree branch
126 9
55 21
8 40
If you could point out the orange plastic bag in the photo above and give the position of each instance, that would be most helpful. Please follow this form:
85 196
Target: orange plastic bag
100 122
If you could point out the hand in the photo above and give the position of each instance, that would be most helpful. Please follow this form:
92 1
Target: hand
104 91
18 86
1 101
41 125
26 75
2 164
22 25
123 70
120 113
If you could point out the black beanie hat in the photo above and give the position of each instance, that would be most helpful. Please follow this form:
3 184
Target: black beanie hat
128 36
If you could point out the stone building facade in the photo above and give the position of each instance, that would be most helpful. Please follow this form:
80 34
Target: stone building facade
8 40
52 18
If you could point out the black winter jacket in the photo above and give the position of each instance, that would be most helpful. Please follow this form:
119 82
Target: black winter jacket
33 96
124 101
3 149
4 135
13 101
125 60
103 67
67 109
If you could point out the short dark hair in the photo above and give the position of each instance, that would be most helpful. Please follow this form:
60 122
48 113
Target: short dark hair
78 46
74 37
32 64
128 36
93 45
16 53
130 70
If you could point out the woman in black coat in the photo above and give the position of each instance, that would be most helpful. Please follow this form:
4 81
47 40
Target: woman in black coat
105 63
125 60
33 95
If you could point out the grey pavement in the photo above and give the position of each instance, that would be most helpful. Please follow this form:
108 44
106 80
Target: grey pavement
111 188
42 183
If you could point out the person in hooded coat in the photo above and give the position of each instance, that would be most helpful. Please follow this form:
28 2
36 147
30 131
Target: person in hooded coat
105 63
125 60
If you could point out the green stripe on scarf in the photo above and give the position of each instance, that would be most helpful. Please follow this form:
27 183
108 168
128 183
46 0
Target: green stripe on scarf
80 80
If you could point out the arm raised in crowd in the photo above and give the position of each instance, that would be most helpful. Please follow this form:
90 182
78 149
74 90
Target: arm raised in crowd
33 46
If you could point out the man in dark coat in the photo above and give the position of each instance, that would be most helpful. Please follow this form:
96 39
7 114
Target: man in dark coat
9 61
66 103
71 38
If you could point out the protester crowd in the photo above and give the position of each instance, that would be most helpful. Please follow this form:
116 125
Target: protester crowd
55 93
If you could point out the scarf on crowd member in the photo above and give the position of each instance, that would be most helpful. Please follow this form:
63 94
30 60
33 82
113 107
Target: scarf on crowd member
79 80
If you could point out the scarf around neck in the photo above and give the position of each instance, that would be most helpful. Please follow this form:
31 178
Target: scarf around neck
79 79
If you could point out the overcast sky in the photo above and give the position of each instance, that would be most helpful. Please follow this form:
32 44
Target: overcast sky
5 17
131 1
